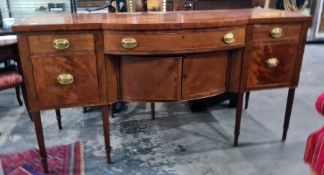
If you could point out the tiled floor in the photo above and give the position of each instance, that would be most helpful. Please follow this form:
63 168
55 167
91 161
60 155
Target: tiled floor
181 142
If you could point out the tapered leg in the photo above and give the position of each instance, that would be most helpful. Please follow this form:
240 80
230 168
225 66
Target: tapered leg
247 98
238 117
105 119
153 111
290 101
40 139
58 118
18 95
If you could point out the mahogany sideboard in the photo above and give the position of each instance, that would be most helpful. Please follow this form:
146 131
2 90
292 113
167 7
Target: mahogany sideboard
100 59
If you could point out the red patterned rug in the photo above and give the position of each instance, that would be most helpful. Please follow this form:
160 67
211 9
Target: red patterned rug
63 159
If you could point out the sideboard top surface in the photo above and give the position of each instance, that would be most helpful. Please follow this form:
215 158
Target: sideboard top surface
158 20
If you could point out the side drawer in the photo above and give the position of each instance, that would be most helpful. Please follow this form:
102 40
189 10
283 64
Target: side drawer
46 43
271 65
276 32
170 42
53 89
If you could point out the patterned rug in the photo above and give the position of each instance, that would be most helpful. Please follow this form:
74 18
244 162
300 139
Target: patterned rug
63 159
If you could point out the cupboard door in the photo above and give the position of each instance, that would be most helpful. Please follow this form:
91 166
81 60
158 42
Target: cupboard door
204 74
150 78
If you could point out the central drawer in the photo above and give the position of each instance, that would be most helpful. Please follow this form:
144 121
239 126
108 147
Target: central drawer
172 42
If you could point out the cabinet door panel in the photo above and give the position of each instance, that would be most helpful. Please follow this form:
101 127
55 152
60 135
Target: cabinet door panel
150 78
204 74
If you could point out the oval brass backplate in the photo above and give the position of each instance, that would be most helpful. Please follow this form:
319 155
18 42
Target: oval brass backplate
276 32
229 38
65 79
128 43
61 43
272 62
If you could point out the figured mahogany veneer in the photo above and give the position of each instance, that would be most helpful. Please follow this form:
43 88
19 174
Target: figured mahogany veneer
99 59
173 42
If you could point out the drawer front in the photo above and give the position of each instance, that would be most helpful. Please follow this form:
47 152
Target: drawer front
150 78
61 43
204 74
271 65
53 89
169 42
278 32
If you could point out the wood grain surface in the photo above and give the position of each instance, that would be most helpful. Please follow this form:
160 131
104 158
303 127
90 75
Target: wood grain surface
158 20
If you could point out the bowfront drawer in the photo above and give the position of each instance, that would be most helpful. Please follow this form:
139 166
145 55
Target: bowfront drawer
169 42
271 65
65 80
47 43
278 32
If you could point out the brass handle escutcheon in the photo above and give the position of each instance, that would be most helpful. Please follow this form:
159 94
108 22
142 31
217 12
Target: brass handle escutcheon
229 38
128 43
61 43
65 79
272 62
276 32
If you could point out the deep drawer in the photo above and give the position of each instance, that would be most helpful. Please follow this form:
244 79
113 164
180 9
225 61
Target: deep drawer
271 65
65 80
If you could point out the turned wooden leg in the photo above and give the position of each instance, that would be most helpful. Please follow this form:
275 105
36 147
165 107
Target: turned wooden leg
58 118
153 111
290 101
247 98
105 119
238 117
18 95
40 139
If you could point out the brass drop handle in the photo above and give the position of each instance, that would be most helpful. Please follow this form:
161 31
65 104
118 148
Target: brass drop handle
65 79
61 43
272 62
229 38
276 32
129 43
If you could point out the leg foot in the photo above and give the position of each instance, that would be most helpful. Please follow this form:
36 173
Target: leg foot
238 118
105 119
290 101
40 139
58 118
18 95
247 98
153 111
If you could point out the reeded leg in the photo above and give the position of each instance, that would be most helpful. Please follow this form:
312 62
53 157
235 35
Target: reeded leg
247 98
153 111
18 95
105 119
40 139
290 101
58 118
238 117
